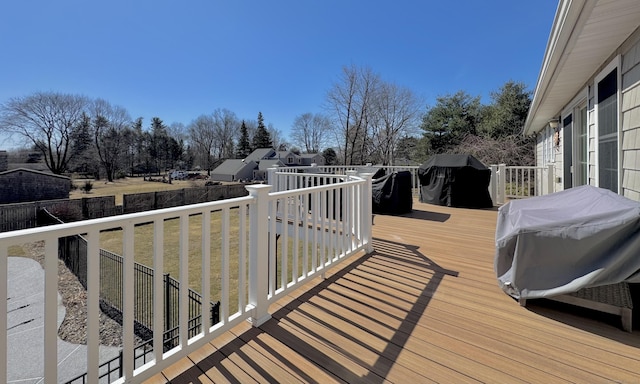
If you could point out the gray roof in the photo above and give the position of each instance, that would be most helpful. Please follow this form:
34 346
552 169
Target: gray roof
266 164
33 171
232 166
259 154
283 154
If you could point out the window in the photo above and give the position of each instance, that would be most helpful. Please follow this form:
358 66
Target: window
581 143
607 126
567 142
575 141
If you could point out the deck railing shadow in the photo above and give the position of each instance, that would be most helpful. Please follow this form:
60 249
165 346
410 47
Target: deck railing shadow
389 261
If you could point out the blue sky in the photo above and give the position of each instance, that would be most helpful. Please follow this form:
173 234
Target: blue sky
180 59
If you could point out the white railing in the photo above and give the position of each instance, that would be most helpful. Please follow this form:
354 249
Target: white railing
507 182
344 169
518 182
264 245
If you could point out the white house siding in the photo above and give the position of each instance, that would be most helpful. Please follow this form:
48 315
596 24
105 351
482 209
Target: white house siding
631 122
540 141
547 153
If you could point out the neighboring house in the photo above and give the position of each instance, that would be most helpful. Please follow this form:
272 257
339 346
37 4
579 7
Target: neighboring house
255 166
312 158
290 159
22 185
261 172
234 170
261 154
586 106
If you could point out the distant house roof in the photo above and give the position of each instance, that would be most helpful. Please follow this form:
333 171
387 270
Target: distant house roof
233 166
283 154
260 154
309 155
49 174
266 164
34 166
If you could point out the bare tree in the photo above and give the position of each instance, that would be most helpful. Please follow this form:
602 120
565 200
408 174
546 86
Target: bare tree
277 138
45 120
178 131
395 113
226 126
202 134
513 149
349 103
111 125
310 132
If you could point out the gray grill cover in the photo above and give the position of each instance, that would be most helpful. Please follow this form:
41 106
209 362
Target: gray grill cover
559 243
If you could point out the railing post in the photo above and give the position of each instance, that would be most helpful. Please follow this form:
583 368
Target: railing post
367 213
502 183
271 177
259 253
550 175
493 184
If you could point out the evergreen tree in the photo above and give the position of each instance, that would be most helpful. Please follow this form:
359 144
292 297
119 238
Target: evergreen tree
84 159
262 138
244 146
453 118
508 111
330 156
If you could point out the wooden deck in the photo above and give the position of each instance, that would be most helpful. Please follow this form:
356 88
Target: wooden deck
424 307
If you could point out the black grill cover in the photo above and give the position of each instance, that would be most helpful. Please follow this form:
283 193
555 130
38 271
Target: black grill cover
391 194
455 181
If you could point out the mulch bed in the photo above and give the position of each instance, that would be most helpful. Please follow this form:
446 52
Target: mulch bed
74 297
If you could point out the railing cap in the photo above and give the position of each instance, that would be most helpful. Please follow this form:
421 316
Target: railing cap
256 189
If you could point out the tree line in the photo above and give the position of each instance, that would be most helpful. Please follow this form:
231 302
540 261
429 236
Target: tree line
73 133
364 119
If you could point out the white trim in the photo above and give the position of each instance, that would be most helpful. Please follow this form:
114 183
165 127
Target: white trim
573 108
616 63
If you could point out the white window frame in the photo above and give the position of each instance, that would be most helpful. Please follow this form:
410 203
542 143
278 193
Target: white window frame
616 63
547 145
573 108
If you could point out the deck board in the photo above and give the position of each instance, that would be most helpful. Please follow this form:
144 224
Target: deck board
423 307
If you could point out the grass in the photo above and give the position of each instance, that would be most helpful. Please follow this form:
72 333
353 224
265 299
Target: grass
144 246
128 185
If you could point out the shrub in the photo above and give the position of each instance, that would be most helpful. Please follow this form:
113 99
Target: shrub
66 212
87 187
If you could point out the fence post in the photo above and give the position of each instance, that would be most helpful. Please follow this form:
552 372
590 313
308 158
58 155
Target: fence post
259 253
367 213
271 178
550 175
493 184
167 304
502 183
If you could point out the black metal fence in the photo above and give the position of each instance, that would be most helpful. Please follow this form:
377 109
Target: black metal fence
72 250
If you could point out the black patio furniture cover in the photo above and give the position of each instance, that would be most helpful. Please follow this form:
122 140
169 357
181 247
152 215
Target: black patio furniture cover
559 243
392 194
377 171
455 181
